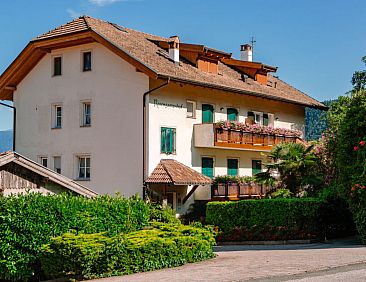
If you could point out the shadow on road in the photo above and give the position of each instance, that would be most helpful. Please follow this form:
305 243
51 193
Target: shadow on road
349 242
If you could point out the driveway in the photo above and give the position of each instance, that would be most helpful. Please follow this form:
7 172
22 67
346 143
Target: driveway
334 261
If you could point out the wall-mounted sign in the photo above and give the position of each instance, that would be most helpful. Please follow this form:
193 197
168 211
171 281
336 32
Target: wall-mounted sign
158 103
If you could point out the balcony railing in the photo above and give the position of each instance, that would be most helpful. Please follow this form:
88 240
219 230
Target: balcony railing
237 191
209 135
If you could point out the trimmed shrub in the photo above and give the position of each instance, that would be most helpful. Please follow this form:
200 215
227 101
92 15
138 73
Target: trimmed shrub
96 255
268 219
159 213
29 221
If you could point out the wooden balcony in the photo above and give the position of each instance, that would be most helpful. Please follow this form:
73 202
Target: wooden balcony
236 191
209 136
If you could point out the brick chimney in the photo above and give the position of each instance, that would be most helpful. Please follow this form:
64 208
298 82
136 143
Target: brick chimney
246 52
174 49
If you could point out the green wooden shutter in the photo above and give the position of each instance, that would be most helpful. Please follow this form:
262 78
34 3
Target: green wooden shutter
232 167
232 114
167 140
207 167
265 119
256 166
207 113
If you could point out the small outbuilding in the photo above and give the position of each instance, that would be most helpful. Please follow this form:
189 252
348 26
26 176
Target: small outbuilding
19 174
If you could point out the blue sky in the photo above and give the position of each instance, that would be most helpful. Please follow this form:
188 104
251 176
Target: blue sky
316 44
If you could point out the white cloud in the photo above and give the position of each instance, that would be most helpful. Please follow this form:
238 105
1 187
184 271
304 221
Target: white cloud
103 2
108 2
73 14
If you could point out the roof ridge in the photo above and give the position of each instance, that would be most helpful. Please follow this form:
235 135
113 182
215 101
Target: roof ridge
85 17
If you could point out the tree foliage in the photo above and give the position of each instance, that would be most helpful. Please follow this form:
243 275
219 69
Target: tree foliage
359 78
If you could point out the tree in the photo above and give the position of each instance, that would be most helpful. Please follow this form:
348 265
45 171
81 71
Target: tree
295 164
359 78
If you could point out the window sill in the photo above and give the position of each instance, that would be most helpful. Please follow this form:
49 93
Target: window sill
86 70
82 179
85 125
168 154
56 127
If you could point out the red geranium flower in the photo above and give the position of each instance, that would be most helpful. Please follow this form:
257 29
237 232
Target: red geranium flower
355 148
362 143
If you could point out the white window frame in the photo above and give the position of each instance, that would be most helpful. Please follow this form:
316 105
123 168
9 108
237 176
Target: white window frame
83 113
194 109
41 159
260 114
78 167
54 164
82 61
53 65
55 116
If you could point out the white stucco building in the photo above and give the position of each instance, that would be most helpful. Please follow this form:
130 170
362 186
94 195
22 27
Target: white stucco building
103 104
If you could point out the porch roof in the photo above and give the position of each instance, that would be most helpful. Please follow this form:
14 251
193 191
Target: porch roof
170 171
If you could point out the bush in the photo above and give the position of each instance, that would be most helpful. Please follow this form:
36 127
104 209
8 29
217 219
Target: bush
96 255
301 218
159 213
29 221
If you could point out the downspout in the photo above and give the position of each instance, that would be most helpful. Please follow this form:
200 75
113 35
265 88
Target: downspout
14 121
144 133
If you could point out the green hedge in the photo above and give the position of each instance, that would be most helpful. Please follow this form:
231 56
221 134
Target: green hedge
96 255
268 219
29 221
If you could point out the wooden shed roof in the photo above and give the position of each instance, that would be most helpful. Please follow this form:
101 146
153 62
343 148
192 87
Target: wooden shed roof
173 172
9 157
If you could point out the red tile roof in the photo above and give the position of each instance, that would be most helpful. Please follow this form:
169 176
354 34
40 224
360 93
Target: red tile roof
142 48
172 172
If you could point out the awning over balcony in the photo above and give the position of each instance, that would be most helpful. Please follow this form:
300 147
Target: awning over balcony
172 172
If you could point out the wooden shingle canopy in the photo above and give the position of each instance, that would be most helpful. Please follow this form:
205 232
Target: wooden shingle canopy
12 157
148 54
172 172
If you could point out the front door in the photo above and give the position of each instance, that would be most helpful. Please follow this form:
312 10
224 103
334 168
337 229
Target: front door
207 113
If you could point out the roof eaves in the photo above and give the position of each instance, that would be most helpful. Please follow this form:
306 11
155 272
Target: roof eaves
240 91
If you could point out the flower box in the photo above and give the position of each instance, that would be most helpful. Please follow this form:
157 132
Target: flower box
258 139
235 136
233 189
247 138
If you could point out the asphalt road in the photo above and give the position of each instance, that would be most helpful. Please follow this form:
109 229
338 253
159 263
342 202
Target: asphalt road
334 261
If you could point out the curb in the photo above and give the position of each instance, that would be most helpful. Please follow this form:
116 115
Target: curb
281 242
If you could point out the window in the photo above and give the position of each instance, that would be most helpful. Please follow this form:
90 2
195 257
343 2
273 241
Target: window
84 167
57 164
191 109
232 114
57 66
207 113
87 61
208 166
256 166
232 167
265 119
44 161
57 116
86 114
168 140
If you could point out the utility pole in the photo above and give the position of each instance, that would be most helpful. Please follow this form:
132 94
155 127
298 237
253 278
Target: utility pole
14 120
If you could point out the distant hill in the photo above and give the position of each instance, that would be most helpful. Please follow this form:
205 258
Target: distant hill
6 140
316 122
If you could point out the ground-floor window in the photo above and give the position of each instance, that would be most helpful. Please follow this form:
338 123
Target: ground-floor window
57 164
208 166
232 167
256 166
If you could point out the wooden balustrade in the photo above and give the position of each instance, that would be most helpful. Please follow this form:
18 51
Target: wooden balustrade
237 191
249 140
